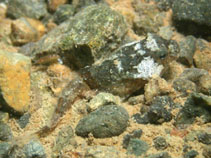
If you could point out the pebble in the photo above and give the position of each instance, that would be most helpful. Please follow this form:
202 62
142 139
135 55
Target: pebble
5 132
137 147
160 143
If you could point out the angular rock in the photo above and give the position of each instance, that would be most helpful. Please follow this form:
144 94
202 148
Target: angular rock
192 17
26 8
102 99
202 56
107 121
137 147
63 13
15 81
160 143
187 50
82 42
5 132
197 105
128 69
184 85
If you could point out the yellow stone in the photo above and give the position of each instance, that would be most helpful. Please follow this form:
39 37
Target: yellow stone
15 80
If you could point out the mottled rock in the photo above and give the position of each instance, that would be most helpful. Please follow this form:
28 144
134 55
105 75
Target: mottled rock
137 147
15 81
82 42
202 56
187 50
26 8
136 100
34 149
134 134
24 120
63 13
54 4
128 69
184 85
102 99
107 121
101 152
191 154
192 16
160 143
4 149
197 105
5 132
166 32
205 84
149 18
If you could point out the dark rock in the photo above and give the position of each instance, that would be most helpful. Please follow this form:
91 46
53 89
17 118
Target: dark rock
4 149
184 85
63 139
135 134
128 69
205 84
141 118
191 154
24 120
192 16
197 105
204 138
107 121
187 50
63 13
27 8
82 42
137 147
160 143
34 149
5 132
207 151
159 155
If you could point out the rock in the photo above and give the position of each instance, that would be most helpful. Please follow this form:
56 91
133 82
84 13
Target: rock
164 5
5 132
207 151
160 143
15 81
102 99
135 134
23 32
4 117
202 56
204 138
187 50
192 17
155 87
185 86
34 149
63 138
137 147
158 113
159 155
4 149
53 5
63 13
80 4
149 18
205 84
197 105
136 100
191 154
166 32
128 69
26 8
101 152
107 121
24 120
79 42
5 31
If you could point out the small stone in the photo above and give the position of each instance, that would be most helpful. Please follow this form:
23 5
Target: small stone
101 151
54 4
34 149
135 134
184 85
26 8
4 149
207 151
191 154
102 99
204 138
24 120
160 143
137 147
187 50
136 100
63 13
205 84
106 121
5 132
15 81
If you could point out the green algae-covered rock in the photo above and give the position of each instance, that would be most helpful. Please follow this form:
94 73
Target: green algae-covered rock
91 34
